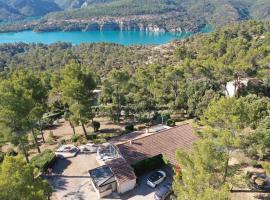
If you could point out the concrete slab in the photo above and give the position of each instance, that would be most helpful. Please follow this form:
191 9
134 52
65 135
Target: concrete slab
71 180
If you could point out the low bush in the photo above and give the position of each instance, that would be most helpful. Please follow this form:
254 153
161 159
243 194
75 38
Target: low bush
11 152
170 122
63 141
91 137
99 141
95 125
266 167
76 138
129 128
256 164
44 160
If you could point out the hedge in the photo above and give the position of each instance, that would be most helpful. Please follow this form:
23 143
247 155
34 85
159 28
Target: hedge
148 164
44 160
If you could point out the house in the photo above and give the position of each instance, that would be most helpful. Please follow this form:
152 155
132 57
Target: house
161 143
117 173
124 174
233 88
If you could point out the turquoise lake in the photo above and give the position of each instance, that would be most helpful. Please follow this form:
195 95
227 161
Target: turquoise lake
78 37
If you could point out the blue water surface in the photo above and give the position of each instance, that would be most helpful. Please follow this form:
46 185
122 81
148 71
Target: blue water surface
78 37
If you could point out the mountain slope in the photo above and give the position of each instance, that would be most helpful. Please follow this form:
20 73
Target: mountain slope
218 12
149 15
8 13
14 9
71 4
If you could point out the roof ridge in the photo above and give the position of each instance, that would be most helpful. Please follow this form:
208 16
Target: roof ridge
162 131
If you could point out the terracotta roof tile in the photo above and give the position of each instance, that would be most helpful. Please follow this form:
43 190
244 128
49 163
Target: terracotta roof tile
121 169
165 143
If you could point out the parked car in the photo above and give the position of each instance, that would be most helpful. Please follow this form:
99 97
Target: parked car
163 192
156 178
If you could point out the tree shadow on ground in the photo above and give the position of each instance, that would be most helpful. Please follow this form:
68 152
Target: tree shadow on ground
60 165
108 130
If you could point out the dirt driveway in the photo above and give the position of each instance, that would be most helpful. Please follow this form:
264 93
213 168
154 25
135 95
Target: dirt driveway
71 180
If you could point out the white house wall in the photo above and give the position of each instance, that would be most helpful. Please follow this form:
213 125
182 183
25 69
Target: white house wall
126 186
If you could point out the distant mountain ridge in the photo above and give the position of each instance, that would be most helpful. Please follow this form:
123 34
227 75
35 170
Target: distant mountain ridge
72 4
152 15
18 9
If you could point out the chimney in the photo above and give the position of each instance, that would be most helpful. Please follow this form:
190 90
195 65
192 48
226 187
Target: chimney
147 130
130 142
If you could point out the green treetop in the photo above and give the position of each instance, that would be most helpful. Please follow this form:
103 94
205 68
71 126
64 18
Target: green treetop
77 87
201 175
18 180
16 104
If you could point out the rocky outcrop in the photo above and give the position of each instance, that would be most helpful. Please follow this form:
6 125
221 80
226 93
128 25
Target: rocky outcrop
97 24
105 26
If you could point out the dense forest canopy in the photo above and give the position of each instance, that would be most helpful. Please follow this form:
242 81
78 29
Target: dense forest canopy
197 68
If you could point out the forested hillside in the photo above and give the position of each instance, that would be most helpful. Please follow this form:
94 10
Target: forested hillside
152 15
202 64
217 12
19 9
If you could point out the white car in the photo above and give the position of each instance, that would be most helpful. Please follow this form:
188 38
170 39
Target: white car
156 178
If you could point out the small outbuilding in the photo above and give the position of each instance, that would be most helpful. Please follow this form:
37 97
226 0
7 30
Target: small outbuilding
124 174
103 180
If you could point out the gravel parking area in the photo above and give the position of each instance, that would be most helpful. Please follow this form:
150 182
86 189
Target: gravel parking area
71 180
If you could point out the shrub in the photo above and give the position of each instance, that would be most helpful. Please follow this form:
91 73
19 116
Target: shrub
63 141
256 164
95 125
99 141
11 152
266 167
79 139
129 127
170 122
44 160
75 138
91 137
2 155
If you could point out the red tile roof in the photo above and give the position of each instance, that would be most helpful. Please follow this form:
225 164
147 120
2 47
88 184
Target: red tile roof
165 143
121 169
